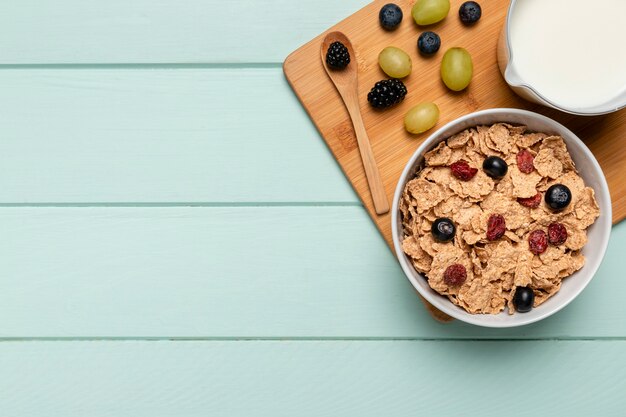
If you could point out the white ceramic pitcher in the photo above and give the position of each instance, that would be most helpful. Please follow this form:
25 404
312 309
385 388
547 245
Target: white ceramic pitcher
507 66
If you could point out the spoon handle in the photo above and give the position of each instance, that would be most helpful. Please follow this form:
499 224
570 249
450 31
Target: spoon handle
381 205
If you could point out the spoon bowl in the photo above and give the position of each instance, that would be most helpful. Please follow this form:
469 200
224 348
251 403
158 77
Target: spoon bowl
346 76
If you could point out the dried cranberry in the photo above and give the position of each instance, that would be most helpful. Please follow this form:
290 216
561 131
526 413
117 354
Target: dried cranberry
455 275
532 202
463 171
557 234
525 161
538 242
496 225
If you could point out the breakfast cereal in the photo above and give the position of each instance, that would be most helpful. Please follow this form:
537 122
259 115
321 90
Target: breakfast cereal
505 234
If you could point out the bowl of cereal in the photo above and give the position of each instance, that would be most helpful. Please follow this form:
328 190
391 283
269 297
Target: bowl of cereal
501 218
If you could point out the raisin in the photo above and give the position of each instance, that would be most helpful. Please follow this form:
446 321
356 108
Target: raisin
455 275
557 234
463 171
496 225
538 242
525 161
532 202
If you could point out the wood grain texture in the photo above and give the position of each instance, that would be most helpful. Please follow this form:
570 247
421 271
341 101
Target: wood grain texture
238 272
392 145
160 135
161 31
317 379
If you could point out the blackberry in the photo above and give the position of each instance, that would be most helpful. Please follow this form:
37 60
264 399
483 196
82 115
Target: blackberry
387 93
337 56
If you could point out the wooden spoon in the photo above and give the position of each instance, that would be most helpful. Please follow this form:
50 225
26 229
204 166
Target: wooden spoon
346 82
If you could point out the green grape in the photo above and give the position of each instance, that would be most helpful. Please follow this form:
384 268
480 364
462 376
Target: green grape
421 118
395 62
427 12
456 69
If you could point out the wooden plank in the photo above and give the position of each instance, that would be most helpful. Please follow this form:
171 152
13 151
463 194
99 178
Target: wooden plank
160 135
237 272
392 145
163 31
313 378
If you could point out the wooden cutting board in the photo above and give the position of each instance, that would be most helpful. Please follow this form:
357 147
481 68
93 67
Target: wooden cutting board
392 145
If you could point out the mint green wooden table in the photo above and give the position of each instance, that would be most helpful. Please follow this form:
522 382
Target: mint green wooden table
176 240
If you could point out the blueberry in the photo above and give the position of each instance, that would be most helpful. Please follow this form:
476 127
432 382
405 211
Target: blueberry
443 230
390 16
524 299
558 197
495 167
428 43
470 12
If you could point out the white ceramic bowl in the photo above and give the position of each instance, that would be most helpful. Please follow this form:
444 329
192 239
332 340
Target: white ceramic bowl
597 234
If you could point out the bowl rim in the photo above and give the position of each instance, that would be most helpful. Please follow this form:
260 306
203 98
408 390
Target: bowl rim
434 298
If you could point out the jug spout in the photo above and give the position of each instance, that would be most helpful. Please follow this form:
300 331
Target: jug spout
512 77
